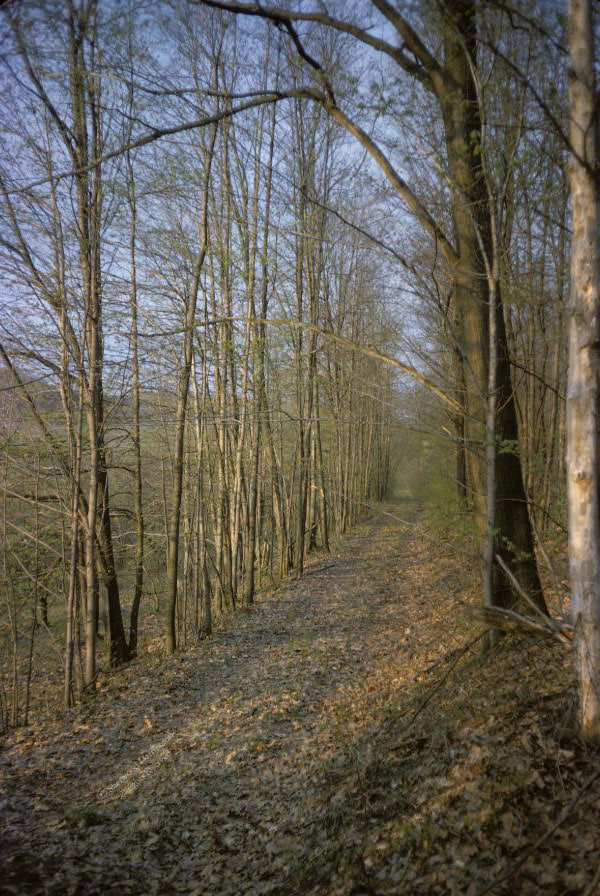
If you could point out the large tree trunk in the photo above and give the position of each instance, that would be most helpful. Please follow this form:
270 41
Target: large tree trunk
584 369
471 209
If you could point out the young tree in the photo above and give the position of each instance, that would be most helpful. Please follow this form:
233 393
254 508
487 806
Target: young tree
183 390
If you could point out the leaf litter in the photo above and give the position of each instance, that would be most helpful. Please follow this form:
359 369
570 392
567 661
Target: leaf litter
345 736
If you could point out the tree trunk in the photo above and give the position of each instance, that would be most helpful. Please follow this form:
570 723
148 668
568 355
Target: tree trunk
180 413
584 368
462 122
135 422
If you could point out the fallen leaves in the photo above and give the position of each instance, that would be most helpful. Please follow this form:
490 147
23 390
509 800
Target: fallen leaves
337 740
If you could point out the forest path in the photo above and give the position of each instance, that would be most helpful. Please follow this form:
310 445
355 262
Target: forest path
206 775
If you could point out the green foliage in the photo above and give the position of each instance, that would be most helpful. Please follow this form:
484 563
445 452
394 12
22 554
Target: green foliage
444 513
508 446
424 473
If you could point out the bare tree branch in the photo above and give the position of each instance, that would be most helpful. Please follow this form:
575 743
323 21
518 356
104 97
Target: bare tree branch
158 133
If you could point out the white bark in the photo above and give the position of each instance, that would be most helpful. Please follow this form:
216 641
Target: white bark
584 370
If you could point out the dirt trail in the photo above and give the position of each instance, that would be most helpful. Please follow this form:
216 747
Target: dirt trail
206 775
330 742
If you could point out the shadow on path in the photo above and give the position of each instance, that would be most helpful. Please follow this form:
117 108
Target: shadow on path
206 776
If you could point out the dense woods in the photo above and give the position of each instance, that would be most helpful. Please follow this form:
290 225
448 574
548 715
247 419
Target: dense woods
253 259
187 412
270 273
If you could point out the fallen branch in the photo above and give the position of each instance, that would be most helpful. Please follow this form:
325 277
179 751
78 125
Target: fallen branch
511 621
520 591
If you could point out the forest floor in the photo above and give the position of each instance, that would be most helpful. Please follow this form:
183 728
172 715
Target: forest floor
344 736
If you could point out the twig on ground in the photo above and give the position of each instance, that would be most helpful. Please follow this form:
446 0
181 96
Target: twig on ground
442 680
314 572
